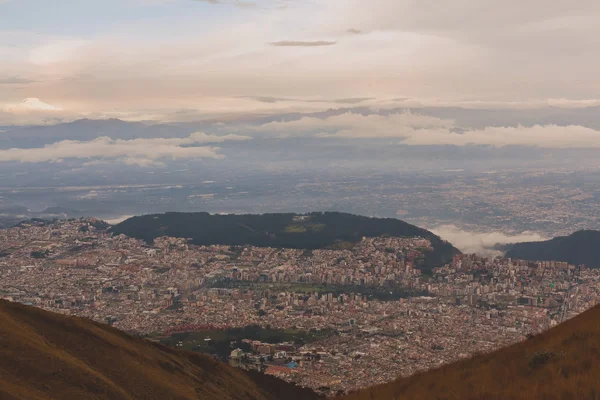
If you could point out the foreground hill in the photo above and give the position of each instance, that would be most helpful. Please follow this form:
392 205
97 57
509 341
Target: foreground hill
51 356
308 231
581 247
562 363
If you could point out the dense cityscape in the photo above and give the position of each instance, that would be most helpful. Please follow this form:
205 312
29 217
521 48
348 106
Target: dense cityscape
348 318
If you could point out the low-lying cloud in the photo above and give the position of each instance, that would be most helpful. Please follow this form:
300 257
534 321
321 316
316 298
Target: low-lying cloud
352 125
547 136
482 243
418 130
140 152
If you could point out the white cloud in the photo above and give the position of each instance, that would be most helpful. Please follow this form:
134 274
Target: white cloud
482 242
142 162
117 220
415 129
352 125
140 152
546 136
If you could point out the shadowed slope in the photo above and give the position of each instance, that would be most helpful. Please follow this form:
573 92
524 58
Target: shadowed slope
562 363
581 247
51 356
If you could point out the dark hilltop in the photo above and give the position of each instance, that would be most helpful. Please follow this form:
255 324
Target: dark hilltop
315 230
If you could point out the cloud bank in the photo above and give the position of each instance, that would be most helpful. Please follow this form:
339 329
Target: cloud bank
482 242
139 152
418 130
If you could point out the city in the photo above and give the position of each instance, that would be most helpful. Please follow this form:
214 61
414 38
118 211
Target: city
346 318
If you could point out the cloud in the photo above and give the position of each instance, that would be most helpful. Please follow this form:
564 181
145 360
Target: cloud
294 43
117 220
418 130
140 152
533 50
353 100
353 125
201 137
482 242
568 103
142 162
354 31
545 136
12 80
489 21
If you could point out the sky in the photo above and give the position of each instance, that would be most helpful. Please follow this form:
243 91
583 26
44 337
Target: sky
147 59
349 70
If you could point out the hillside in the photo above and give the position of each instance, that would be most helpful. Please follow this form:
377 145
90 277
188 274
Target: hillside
562 363
51 356
581 247
309 231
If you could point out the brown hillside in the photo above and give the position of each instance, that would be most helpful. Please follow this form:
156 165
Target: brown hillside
50 356
562 363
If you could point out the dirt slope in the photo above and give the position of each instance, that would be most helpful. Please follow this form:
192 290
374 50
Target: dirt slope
50 356
562 363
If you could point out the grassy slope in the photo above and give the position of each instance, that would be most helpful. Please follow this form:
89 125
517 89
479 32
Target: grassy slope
566 367
50 356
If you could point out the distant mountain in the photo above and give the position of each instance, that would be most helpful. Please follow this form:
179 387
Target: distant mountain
561 363
307 231
581 247
47 356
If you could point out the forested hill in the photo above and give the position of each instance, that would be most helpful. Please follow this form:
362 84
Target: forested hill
301 231
581 247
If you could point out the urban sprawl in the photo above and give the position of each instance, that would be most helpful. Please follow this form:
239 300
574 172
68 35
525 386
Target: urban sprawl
373 314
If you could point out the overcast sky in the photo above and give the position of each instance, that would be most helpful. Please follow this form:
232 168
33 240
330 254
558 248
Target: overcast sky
147 59
526 71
